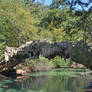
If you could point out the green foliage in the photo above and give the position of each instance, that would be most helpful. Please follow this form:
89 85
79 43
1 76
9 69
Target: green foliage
58 62
16 25
52 20
44 63
85 24
21 22
2 48
40 64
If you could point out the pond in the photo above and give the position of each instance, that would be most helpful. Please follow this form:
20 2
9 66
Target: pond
57 80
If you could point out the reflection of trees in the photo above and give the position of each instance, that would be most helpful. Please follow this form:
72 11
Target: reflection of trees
56 84
49 83
32 83
65 83
76 84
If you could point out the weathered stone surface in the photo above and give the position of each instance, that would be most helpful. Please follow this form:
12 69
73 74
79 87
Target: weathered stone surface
82 53
78 52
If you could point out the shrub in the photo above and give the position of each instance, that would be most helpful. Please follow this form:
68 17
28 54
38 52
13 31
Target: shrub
58 62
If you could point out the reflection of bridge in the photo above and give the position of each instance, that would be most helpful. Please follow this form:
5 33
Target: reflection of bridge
60 80
78 53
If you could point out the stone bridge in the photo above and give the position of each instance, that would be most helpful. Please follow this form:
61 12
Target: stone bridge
78 52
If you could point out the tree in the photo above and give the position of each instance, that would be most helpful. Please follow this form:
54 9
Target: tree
71 4
16 23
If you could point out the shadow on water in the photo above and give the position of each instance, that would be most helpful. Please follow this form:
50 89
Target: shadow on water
58 80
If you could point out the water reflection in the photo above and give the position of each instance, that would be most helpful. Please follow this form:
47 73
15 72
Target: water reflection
52 81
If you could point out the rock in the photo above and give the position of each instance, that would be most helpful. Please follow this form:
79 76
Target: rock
2 77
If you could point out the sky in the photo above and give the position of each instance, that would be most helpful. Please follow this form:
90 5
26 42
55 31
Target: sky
48 2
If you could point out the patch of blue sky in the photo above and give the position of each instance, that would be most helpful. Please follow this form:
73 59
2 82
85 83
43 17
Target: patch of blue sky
77 7
47 2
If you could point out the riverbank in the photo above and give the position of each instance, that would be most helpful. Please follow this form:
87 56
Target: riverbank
23 70
41 64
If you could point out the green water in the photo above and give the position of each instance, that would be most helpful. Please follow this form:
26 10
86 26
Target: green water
58 80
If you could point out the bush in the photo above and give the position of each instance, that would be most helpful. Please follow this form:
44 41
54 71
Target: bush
58 62
40 64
